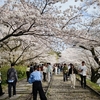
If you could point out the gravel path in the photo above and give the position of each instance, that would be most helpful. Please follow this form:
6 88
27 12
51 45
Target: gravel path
60 90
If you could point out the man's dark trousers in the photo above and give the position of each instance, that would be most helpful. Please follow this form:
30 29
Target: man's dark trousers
83 81
10 85
0 89
37 86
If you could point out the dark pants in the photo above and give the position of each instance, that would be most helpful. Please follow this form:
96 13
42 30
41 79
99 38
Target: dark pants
81 76
44 76
10 85
28 75
37 87
83 81
65 76
0 89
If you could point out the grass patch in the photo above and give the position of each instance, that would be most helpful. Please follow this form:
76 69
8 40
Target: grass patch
93 85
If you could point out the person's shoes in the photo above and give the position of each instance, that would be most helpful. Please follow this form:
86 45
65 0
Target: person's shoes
2 94
14 95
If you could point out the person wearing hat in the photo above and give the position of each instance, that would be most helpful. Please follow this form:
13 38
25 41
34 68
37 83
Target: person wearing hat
35 79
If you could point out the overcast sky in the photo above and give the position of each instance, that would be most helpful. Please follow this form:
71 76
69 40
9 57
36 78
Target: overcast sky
70 2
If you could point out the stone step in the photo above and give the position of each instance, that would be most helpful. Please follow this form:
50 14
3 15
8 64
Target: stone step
60 90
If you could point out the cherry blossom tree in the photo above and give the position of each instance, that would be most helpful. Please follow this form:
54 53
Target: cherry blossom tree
85 32
46 24
34 19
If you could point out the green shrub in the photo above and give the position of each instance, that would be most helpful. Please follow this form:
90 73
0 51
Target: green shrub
21 71
4 74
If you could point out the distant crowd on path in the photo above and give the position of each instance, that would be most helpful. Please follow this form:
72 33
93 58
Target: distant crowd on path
46 69
69 72
44 72
36 73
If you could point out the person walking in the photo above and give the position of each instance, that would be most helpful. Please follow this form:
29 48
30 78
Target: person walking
35 79
59 68
65 72
80 74
44 72
83 71
1 91
55 69
28 72
68 71
49 71
31 68
72 72
12 79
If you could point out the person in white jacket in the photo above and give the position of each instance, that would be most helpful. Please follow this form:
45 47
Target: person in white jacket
49 71
83 71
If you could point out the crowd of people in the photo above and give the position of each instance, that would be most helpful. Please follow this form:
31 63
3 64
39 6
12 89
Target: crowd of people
36 73
69 72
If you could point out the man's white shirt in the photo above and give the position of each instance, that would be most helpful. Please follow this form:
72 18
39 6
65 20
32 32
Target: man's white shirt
84 72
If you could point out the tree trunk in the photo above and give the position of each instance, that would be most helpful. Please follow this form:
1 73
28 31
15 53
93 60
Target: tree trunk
94 75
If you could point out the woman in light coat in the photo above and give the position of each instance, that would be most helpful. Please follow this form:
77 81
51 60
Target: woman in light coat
72 72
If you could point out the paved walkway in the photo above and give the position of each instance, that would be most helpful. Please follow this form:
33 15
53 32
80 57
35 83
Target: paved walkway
60 90
23 89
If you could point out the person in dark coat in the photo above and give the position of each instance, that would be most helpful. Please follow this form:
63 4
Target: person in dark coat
28 72
65 72
12 79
